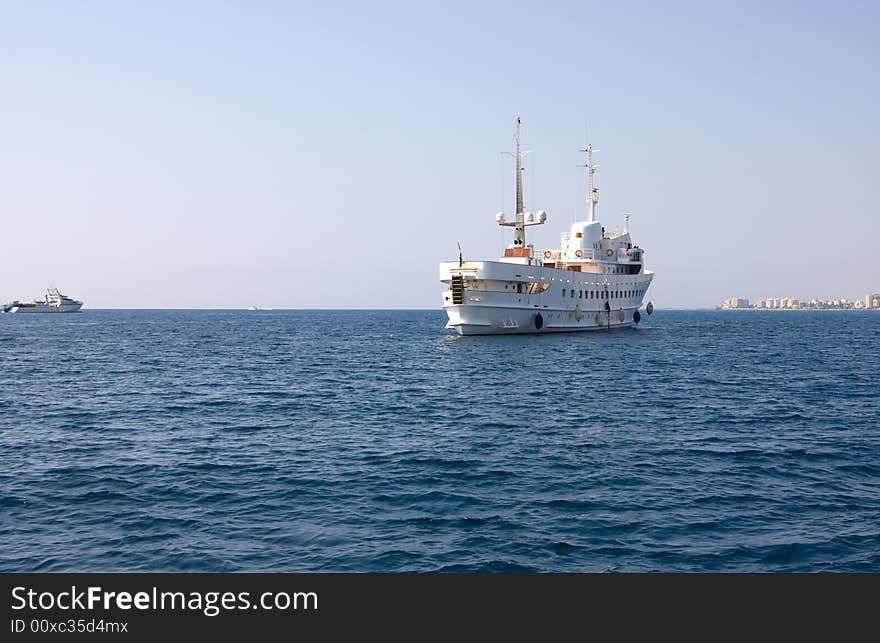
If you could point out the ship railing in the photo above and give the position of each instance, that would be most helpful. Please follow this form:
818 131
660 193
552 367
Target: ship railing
548 256
555 256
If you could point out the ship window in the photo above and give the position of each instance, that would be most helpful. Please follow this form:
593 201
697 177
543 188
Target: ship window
580 294
572 293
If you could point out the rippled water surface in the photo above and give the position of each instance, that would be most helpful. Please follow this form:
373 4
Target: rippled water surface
377 441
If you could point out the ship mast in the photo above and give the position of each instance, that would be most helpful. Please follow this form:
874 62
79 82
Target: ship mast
522 219
519 228
592 192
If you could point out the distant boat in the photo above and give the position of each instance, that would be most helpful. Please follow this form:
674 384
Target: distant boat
257 308
54 302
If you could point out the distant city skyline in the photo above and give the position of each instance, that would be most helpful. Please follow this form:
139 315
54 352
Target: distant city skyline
871 301
203 155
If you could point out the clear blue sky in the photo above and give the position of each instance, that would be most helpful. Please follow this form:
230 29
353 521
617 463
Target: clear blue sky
189 154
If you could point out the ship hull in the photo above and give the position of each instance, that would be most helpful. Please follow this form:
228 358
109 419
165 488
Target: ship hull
43 308
485 320
499 298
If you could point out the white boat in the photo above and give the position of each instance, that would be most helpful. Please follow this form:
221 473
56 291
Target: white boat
54 302
594 280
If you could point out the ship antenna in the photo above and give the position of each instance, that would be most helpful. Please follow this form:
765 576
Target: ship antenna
519 228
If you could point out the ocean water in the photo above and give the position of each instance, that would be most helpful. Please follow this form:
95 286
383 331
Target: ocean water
377 441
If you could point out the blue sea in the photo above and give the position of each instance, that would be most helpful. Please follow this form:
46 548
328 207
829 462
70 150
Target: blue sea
377 441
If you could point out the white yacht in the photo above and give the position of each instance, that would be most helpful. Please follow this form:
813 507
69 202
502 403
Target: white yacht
54 302
594 280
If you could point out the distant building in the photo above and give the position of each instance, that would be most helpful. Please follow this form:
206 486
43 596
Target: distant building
760 304
772 302
872 300
734 303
